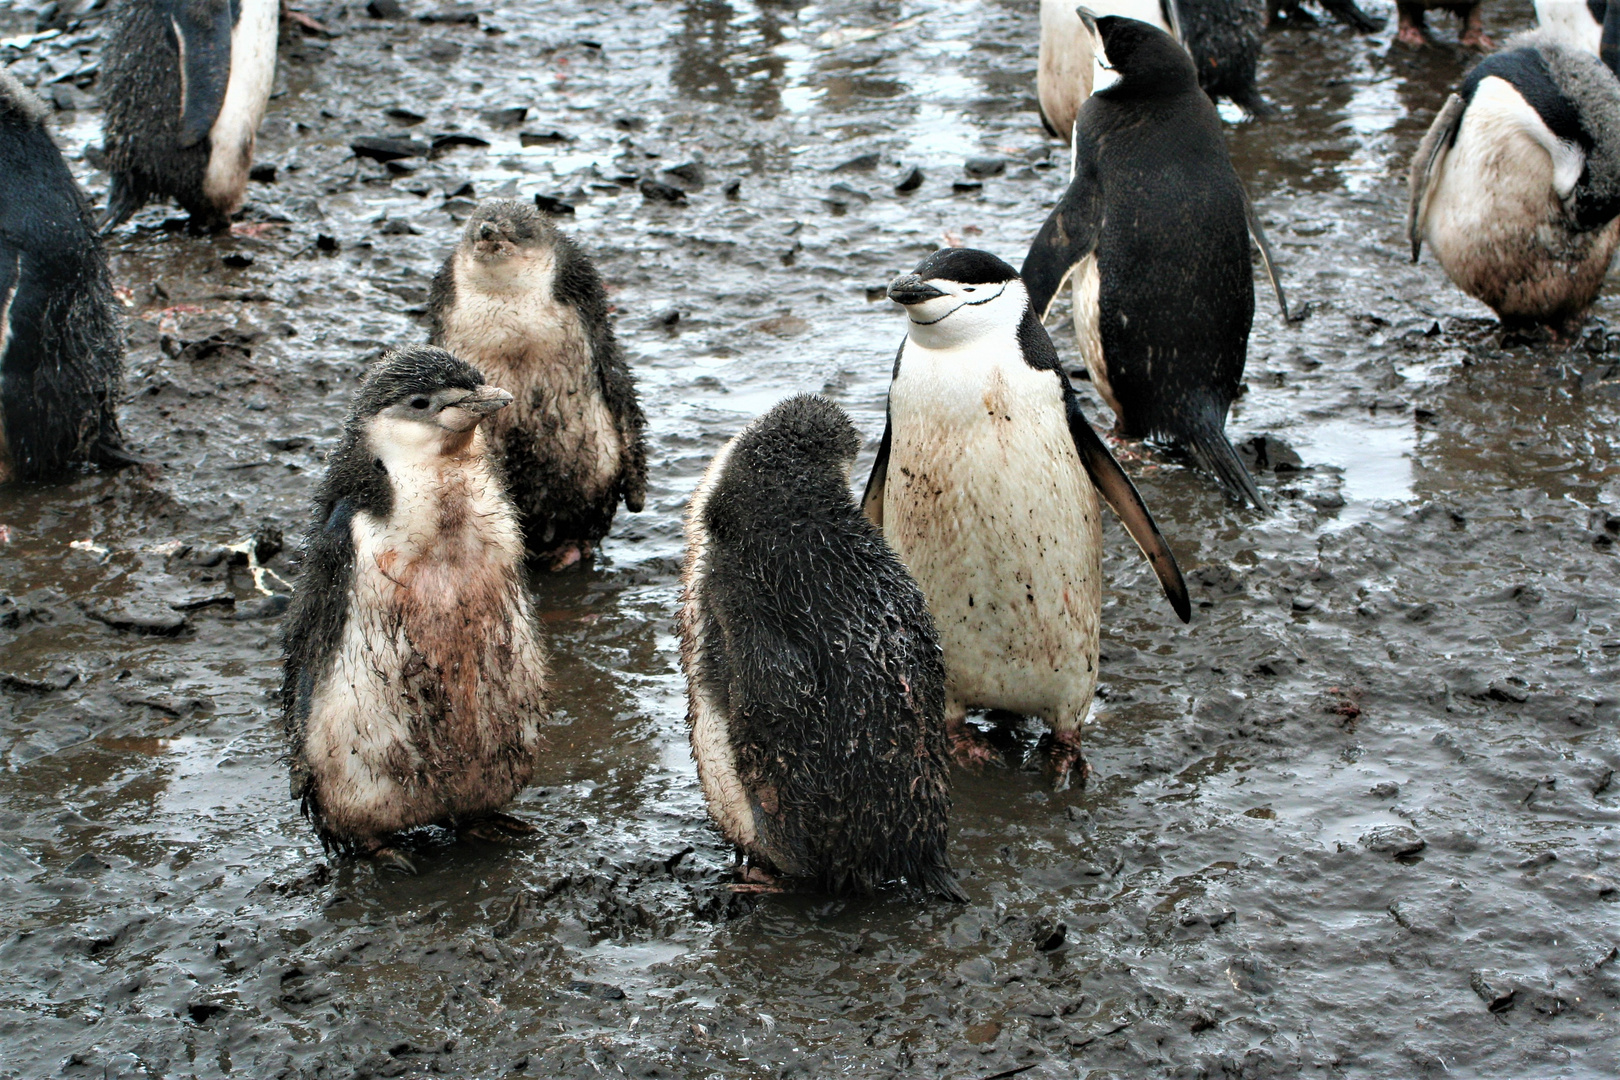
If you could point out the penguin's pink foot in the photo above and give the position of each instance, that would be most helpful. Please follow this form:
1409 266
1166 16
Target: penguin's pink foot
570 554
1064 756
973 751
1412 34
1476 39
756 879
497 827
388 858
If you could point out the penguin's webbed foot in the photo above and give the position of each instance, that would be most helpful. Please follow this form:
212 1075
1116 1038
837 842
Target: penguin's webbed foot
973 751
497 827
388 858
569 554
1064 756
756 879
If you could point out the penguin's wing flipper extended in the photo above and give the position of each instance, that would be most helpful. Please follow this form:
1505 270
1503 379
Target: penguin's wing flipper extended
1259 233
1431 154
872 500
1112 483
1070 232
202 33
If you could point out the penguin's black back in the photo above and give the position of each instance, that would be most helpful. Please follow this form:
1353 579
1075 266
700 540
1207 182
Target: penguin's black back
821 650
63 365
1224 39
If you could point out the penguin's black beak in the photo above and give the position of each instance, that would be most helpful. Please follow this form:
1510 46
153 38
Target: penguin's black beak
910 289
466 413
488 230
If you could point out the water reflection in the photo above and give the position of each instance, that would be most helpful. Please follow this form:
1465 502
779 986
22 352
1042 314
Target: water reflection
724 54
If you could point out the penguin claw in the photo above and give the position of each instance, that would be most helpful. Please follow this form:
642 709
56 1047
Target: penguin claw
391 859
497 827
1065 756
972 751
567 555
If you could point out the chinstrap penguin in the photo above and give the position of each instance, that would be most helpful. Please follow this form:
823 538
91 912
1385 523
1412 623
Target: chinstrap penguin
1413 30
1516 186
1154 230
986 485
522 302
1292 13
186 84
415 683
815 685
61 339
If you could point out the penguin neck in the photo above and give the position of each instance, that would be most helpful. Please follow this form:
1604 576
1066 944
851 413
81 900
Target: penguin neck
521 273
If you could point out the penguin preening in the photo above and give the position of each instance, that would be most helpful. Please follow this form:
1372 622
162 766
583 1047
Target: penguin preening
815 685
1154 229
520 300
61 338
1516 186
1412 29
986 485
186 84
415 683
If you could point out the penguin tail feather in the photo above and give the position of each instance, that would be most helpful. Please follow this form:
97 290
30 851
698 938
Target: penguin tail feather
940 881
1210 448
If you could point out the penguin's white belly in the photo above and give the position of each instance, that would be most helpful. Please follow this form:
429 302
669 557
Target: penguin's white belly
247 93
988 504
1571 22
1087 317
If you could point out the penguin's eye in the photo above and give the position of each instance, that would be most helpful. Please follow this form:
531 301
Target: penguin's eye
420 403
971 288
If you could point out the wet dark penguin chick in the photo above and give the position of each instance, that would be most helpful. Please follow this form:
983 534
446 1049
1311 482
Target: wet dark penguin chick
1516 186
520 300
61 341
1154 230
1413 30
1292 13
814 680
1224 39
415 683
186 83
986 485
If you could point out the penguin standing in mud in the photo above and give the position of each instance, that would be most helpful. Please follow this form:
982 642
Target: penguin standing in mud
414 684
61 340
815 686
1516 186
1413 31
186 84
1154 230
519 299
986 486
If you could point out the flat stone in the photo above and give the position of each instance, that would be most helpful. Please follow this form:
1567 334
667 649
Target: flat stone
1393 840
386 148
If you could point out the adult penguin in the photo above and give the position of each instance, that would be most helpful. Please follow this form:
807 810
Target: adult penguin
186 84
61 341
1154 229
986 486
414 684
815 686
1413 31
1516 186
1069 68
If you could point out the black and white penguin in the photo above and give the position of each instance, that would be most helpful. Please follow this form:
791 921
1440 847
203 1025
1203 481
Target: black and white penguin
1516 186
815 686
1412 29
986 486
1069 68
520 300
61 340
1154 229
1292 13
186 83
414 685
1577 23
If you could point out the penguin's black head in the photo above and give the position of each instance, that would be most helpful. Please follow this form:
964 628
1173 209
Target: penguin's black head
958 294
501 228
420 402
1145 57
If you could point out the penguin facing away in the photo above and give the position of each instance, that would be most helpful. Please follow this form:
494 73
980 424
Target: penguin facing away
414 683
520 300
1070 68
1154 231
815 686
187 82
986 486
1516 185
61 338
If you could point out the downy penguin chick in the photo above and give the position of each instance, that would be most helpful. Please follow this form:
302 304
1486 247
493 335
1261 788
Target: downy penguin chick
61 341
1224 37
186 84
815 686
520 300
1070 67
1154 229
986 485
1413 31
1576 23
1516 186
415 683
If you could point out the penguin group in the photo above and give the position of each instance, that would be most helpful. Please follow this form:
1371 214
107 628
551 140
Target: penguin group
833 647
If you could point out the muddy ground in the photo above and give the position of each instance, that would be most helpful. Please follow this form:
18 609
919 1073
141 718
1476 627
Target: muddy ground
1358 819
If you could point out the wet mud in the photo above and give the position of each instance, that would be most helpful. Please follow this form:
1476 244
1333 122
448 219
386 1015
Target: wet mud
1357 819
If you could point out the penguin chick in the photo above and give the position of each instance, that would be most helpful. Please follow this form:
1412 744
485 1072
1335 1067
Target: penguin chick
1292 13
814 679
519 299
1413 31
1224 39
986 485
1154 230
415 683
1516 186
61 339
1070 68
186 84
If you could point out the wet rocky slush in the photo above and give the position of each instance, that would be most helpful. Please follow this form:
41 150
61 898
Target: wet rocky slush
1357 819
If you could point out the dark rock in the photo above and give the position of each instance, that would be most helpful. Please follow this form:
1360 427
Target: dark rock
543 138
1268 452
87 863
863 163
911 181
288 442
451 140
459 209
385 9
1386 789
237 260
509 117
265 607
138 619
553 204
197 603
443 51
66 97
263 173
326 243
400 168
398 227
691 174
981 167
404 116
385 148
963 187
452 15
661 192
733 188
601 991
95 157
844 193
60 679
1394 840
668 318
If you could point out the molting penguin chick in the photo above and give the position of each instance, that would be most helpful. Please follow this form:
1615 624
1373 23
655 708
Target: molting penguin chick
814 680
986 485
61 341
415 682
1155 230
1412 30
186 84
1070 67
521 301
1516 186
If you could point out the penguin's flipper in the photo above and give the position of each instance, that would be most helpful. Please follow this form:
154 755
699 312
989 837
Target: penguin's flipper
1431 154
1209 447
1114 486
202 34
1258 231
1070 232
872 500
